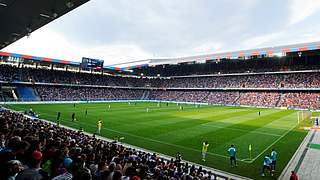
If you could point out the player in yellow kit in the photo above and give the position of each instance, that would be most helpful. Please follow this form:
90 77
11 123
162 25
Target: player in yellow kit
99 125
205 146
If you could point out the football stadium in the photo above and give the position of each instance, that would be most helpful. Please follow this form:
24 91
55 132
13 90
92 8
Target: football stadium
239 114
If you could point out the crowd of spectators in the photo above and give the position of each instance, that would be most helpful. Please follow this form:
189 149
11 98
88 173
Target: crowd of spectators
213 97
267 99
34 149
299 100
63 93
305 100
10 73
7 73
287 80
222 97
182 96
293 80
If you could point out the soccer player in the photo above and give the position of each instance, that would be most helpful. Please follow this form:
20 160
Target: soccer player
73 117
259 113
86 113
99 125
274 159
58 116
266 165
205 146
232 154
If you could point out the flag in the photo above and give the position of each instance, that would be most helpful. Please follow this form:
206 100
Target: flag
250 148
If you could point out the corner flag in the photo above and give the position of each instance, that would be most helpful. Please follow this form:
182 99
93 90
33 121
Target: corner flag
250 148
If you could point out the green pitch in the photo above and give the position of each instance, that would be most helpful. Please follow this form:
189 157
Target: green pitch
167 130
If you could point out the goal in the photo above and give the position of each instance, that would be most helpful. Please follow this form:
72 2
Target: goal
304 115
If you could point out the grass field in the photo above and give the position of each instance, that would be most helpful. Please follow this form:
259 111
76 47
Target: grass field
167 130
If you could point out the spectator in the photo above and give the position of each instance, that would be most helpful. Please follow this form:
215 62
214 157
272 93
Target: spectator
34 171
293 176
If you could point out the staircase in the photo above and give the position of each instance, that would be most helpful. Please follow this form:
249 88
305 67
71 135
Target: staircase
235 102
1 97
205 98
279 100
145 95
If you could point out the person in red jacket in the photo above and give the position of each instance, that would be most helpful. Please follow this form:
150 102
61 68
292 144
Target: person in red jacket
293 176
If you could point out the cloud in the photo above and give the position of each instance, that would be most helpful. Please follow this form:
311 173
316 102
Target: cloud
258 41
121 31
302 9
206 48
118 53
48 43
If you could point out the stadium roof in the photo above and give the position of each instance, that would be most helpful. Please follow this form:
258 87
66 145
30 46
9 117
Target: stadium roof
268 52
20 18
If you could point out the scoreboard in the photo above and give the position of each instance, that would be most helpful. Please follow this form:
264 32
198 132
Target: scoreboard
89 63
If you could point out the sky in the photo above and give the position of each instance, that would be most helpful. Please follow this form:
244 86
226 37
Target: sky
119 31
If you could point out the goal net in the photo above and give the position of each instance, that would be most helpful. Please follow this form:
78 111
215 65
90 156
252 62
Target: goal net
304 115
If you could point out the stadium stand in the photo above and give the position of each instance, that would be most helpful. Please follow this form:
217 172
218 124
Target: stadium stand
58 93
278 89
304 79
27 93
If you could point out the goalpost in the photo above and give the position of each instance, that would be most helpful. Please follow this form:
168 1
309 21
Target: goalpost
304 115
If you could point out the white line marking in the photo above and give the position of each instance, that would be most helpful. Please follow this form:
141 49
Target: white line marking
187 148
242 130
273 143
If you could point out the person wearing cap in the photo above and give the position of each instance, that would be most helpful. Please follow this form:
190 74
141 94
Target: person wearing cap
34 171
135 178
67 174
